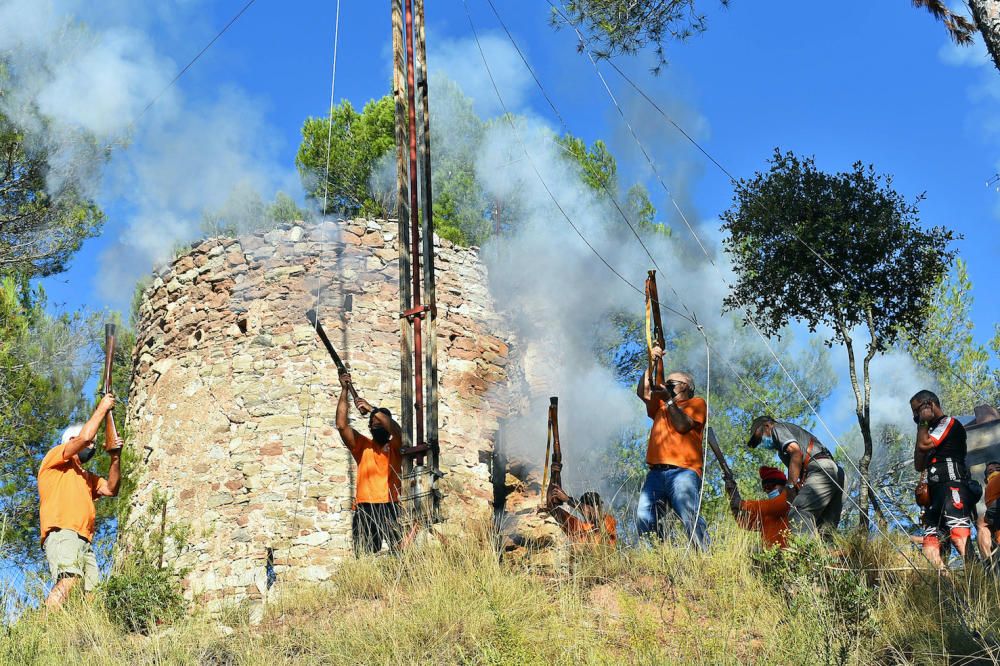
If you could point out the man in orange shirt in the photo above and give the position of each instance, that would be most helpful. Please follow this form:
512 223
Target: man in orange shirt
379 459
989 525
768 516
596 526
674 455
66 494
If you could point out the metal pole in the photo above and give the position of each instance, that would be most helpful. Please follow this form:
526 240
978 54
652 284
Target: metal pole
430 296
402 219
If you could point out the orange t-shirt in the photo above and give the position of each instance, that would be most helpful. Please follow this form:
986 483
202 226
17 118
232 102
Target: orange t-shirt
669 447
770 516
992 492
66 495
379 470
583 532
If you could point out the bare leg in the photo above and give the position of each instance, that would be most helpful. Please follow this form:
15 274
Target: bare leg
960 543
60 591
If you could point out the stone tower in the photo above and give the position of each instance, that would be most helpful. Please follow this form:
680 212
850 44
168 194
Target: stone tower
233 402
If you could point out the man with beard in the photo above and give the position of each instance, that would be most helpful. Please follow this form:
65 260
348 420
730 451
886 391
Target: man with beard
379 460
66 493
940 450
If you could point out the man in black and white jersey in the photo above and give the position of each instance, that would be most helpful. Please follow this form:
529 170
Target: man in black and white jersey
815 487
940 450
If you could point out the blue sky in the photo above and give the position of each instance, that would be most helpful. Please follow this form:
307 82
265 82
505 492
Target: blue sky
876 82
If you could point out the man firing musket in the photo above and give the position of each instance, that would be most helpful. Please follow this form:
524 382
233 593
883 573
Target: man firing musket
674 453
67 492
595 526
379 460
767 516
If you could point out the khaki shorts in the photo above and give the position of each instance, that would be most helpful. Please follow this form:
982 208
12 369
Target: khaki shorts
69 554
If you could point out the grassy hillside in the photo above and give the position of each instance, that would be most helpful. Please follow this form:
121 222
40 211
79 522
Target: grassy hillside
456 604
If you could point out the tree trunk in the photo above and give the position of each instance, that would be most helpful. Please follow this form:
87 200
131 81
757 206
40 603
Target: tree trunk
861 410
866 421
986 14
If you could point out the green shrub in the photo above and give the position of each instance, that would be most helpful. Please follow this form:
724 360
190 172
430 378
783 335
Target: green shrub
142 596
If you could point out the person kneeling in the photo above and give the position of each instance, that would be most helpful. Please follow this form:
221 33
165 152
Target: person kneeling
596 526
767 516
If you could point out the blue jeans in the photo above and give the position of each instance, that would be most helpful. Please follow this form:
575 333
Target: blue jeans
680 489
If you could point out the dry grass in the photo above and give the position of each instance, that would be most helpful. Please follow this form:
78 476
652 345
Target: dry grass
456 604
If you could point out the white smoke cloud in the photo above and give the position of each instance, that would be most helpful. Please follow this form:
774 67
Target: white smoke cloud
460 61
82 71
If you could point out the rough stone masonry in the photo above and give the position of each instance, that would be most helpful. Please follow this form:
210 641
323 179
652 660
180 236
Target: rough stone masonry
233 403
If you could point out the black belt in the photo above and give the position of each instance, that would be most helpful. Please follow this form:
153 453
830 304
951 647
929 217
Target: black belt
75 533
663 468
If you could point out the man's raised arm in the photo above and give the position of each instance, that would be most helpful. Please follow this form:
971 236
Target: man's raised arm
89 431
347 433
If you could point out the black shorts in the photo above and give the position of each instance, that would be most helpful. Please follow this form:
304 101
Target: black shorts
951 510
374 524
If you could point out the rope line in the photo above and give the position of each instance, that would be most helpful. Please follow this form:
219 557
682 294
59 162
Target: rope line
319 284
736 183
958 601
507 115
722 278
193 61
690 317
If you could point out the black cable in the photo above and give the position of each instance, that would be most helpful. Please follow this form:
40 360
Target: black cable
193 61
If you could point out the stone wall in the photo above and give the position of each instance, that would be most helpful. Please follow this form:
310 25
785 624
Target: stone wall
234 398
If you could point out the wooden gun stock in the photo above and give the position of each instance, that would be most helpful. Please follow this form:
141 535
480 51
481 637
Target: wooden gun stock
555 480
341 368
727 473
110 431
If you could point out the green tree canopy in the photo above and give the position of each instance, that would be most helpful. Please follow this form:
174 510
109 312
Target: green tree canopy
44 363
45 215
357 141
839 250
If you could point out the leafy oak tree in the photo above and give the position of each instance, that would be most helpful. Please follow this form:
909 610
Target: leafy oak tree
842 251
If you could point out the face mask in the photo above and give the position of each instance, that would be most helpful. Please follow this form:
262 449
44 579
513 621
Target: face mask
767 442
380 435
86 454
774 493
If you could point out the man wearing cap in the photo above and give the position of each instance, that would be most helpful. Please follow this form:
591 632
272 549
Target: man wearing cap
673 454
596 525
767 516
66 493
940 449
815 486
379 459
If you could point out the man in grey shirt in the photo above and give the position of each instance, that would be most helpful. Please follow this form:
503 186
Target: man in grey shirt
815 487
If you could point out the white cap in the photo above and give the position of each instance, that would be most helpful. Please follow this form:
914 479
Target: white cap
71 432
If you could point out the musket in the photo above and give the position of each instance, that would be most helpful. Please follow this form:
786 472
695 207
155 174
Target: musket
341 368
727 473
654 331
555 478
110 431
545 465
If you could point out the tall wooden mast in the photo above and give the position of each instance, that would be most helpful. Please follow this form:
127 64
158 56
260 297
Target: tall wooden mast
418 369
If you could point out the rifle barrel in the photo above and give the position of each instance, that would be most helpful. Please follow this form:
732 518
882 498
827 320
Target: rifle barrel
713 442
